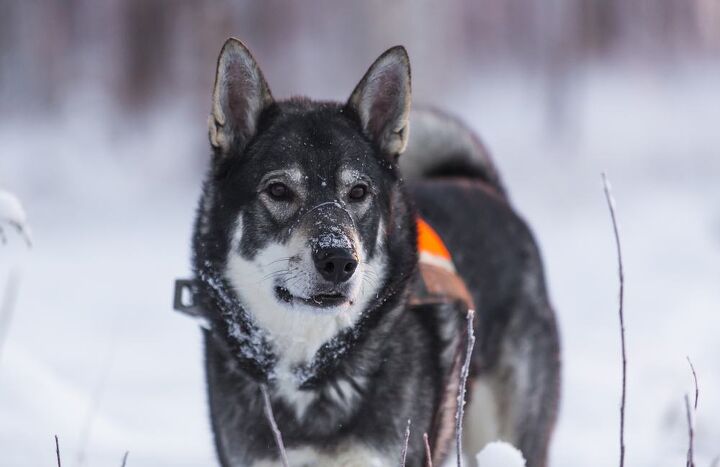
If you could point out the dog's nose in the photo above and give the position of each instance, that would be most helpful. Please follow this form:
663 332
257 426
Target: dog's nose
335 264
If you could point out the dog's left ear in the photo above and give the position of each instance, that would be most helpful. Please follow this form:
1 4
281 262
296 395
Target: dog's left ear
382 101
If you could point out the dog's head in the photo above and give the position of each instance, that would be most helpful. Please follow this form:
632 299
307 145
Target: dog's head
304 209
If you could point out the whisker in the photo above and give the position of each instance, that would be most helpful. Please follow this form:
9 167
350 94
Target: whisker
287 258
273 274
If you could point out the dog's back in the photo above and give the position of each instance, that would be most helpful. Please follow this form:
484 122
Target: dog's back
458 191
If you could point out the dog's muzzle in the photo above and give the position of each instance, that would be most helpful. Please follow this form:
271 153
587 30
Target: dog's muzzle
333 252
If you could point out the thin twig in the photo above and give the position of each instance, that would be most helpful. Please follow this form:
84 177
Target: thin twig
57 451
124 460
403 454
463 384
273 425
691 434
715 462
695 379
621 295
428 453
96 397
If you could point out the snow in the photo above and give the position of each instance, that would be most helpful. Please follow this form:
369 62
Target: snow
96 355
10 209
13 214
500 454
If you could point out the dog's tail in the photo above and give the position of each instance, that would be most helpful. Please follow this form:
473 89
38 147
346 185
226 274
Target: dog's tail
442 146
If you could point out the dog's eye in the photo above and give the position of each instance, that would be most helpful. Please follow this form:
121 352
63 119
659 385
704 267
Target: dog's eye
279 191
358 192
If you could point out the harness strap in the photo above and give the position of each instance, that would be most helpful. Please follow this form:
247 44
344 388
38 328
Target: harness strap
185 299
439 281
443 427
440 284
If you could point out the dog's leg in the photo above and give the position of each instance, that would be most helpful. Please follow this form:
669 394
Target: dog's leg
481 417
517 400
528 380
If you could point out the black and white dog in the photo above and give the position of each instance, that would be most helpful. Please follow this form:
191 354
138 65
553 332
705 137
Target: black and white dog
305 258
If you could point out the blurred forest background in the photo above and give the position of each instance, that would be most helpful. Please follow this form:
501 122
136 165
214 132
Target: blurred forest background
103 107
139 53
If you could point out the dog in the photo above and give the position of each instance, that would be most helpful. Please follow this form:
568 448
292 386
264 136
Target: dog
306 265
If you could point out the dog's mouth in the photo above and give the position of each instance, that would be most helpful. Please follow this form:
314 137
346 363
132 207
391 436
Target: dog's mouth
321 300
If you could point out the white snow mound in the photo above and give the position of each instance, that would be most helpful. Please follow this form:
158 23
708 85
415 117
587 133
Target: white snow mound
500 454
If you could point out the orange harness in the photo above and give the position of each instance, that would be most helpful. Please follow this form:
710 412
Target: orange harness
440 281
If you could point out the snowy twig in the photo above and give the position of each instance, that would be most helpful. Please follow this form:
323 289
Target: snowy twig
273 425
428 453
463 384
403 454
691 434
7 305
691 431
695 380
611 207
124 459
13 214
21 230
57 451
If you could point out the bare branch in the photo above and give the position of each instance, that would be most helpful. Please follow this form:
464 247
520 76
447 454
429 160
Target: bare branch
428 453
124 459
621 313
95 400
463 384
715 462
273 425
695 379
57 451
403 454
691 434
691 430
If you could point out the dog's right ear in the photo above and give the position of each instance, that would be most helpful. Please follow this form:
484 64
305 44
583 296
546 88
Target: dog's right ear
382 101
239 97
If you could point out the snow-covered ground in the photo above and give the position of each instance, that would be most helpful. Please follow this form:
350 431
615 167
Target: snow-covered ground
95 354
